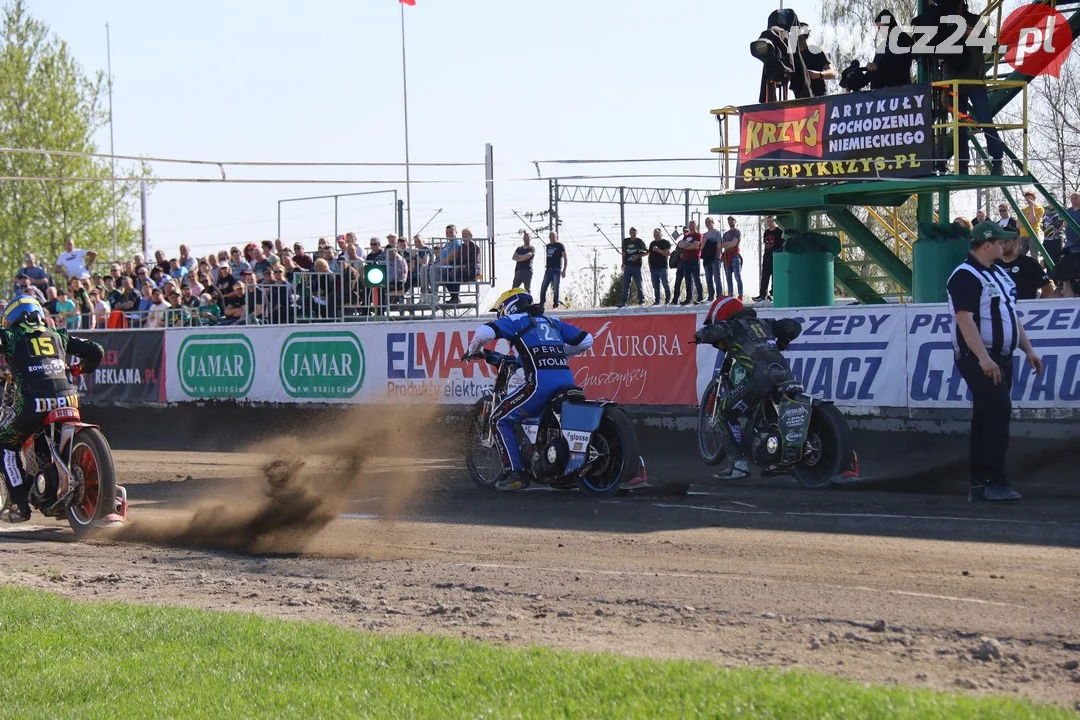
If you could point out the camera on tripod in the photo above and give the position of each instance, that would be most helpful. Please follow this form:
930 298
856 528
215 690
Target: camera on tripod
777 49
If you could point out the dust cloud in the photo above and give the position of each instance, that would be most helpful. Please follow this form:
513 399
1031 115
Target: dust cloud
308 481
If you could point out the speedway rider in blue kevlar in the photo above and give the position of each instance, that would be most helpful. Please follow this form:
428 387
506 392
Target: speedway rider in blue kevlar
542 345
37 359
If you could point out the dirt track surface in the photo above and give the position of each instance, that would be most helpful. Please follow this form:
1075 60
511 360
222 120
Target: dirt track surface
918 588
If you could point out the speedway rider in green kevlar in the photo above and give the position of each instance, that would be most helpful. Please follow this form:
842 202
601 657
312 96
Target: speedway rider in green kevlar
753 346
37 357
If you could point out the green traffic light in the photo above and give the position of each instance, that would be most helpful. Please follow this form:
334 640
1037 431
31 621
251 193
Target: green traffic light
374 275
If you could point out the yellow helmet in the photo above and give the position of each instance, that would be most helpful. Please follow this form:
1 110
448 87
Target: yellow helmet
511 302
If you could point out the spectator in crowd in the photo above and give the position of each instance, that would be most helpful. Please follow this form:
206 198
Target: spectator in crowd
36 274
554 269
65 310
633 250
444 268
397 271
1006 221
732 258
27 288
988 332
157 315
818 68
467 259
964 223
188 302
142 275
191 280
253 294
268 251
138 259
772 241
235 305
710 259
209 311
146 301
523 257
1027 274
50 301
420 264
107 286
161 261
249 254
176 271
1034 214
690 264
278 297
115 272
226 280
75 263
659 251
980 216
324 290
259 262
101 309
186 261
157 276
237 263
80 295
301 258
124 298
1072 237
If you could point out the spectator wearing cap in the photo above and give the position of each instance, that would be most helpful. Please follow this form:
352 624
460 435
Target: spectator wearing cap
1034 214
226 280
36 274
982 299
235 304
1027 274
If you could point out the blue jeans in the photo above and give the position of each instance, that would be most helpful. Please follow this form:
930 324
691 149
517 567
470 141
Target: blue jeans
733 267
713 283
691 270
631 274
979 100
552 276
527 401
659 275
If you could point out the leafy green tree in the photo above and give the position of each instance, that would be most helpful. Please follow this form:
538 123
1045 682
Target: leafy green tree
47 102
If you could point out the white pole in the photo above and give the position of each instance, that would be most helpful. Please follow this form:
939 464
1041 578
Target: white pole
405 93
112 146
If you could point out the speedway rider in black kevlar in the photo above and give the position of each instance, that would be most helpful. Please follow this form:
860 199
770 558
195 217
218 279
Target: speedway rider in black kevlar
753 346
542 345
37 358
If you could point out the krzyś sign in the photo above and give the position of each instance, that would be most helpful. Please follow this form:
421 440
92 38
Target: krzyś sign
854 136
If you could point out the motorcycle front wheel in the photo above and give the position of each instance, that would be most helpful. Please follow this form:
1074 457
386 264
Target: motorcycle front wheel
828 444
711 433
92 465
616 445
482 456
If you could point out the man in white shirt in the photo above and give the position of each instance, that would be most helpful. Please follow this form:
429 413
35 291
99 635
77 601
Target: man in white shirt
75 263
155 317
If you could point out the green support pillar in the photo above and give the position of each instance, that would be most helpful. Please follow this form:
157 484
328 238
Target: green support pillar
933 258
803 279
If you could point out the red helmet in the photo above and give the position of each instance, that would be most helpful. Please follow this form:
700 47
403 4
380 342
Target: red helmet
723 308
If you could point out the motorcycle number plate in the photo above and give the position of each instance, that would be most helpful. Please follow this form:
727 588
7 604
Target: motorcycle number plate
530 432
577 440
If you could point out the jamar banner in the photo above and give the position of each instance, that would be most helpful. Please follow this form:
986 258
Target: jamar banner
855 136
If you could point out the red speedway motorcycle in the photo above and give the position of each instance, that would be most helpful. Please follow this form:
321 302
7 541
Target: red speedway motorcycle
71 463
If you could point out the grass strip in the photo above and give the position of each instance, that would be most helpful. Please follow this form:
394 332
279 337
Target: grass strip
97 660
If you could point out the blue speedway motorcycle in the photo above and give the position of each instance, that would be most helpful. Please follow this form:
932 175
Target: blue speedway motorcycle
576 443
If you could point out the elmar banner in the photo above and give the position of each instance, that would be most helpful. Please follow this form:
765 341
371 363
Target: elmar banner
855 136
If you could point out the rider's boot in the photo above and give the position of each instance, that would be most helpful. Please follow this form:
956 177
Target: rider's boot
17 509
738 467
510 480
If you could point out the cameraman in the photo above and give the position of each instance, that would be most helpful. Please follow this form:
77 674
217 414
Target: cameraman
889 68
818 67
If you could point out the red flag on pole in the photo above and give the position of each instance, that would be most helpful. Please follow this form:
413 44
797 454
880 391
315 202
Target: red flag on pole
408 2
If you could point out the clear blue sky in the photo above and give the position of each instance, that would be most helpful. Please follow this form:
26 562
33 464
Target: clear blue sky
322 81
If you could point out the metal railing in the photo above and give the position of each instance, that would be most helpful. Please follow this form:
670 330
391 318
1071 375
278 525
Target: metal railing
959 119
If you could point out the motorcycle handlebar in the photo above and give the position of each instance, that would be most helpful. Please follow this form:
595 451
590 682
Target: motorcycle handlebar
489 356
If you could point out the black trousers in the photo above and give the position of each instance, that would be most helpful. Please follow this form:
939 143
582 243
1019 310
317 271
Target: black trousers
766 273
991 407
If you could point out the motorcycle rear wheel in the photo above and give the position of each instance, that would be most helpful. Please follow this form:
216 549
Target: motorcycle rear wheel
482 456
92 458
616 442
711 433
828 445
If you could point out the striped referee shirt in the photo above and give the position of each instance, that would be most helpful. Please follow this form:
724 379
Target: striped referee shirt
989 294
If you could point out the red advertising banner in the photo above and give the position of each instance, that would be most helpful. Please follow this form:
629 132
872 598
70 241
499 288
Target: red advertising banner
639 360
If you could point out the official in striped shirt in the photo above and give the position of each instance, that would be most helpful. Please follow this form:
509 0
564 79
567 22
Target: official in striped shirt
982 298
